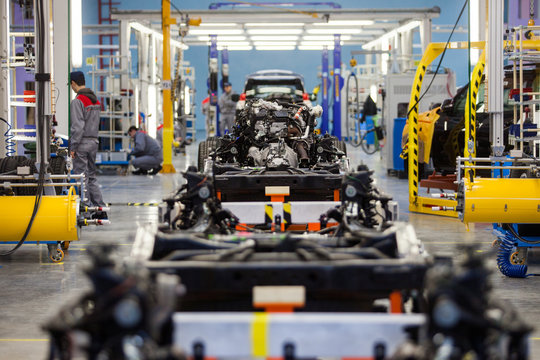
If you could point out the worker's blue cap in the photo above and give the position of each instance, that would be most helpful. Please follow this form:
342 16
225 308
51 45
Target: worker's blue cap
77 76
227 84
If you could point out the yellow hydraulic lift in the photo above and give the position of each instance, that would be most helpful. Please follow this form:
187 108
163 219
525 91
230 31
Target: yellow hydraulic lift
418 203
427 205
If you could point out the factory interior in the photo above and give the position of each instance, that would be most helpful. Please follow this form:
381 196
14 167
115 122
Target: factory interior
203 180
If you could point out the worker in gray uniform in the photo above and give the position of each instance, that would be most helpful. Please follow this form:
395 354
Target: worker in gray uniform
227 109
147 152
83 142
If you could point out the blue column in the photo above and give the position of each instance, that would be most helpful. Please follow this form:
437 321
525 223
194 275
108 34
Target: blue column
325 87
338 84
213 83
224 66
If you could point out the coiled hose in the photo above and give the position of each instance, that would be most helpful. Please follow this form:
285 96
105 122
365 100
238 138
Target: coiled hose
10 143
506 248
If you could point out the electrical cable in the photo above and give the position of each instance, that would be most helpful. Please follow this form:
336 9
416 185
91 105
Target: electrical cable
440 60
40 125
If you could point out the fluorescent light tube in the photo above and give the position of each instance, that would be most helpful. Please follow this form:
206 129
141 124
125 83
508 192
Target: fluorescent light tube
274 24
333 31
274 31
274 43
215 31
314 47
345 23
274 38
224 38
324 37
235 48
275 47
203 24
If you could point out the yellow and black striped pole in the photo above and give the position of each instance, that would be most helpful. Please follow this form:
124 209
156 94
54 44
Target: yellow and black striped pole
470 118
433 50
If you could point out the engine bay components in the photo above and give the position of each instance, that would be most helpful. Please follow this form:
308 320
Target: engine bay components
274 144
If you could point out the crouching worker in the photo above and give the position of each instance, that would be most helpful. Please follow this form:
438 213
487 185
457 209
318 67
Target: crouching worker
147 153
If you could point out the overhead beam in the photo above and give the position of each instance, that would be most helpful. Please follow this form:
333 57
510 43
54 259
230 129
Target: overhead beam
281 15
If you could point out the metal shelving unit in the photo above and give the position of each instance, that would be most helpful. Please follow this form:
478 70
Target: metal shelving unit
185 106
519 58
10 61
117 101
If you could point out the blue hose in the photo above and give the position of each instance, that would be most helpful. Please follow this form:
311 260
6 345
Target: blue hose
506 248
10 143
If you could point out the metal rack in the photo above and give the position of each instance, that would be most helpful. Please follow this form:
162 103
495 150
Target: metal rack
116 97
518 56
11 62
185 107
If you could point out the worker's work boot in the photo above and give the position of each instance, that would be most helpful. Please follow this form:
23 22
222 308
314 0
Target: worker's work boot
154 171
140 172
101 215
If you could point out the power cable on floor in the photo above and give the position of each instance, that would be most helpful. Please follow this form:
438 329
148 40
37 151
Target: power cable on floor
441 58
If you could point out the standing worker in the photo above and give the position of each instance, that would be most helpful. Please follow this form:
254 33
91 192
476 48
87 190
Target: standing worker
83 142
147 152
227 109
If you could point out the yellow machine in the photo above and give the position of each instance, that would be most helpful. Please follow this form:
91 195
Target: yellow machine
420 128
427 205
56 219
55 222
500 201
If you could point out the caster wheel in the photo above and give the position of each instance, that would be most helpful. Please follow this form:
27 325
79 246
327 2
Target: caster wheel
56 257
65 245
517 259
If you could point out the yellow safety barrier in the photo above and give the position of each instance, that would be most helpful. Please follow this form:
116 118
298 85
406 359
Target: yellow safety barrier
56 219
424 204
501 200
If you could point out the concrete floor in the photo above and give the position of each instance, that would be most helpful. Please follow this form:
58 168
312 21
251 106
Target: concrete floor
33 289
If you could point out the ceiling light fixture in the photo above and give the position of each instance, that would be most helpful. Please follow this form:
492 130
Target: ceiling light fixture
404 28
235 48
279 47
223 38
274 38
333 31
215 32
217 24
231 43
274 43
274 31
314 47
346 23
146 30
274 24
324 37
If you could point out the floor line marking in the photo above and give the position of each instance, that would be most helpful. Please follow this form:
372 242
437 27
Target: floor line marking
20 340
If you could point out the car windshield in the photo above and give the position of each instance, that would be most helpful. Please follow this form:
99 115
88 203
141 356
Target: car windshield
264 90
274 88
462 100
